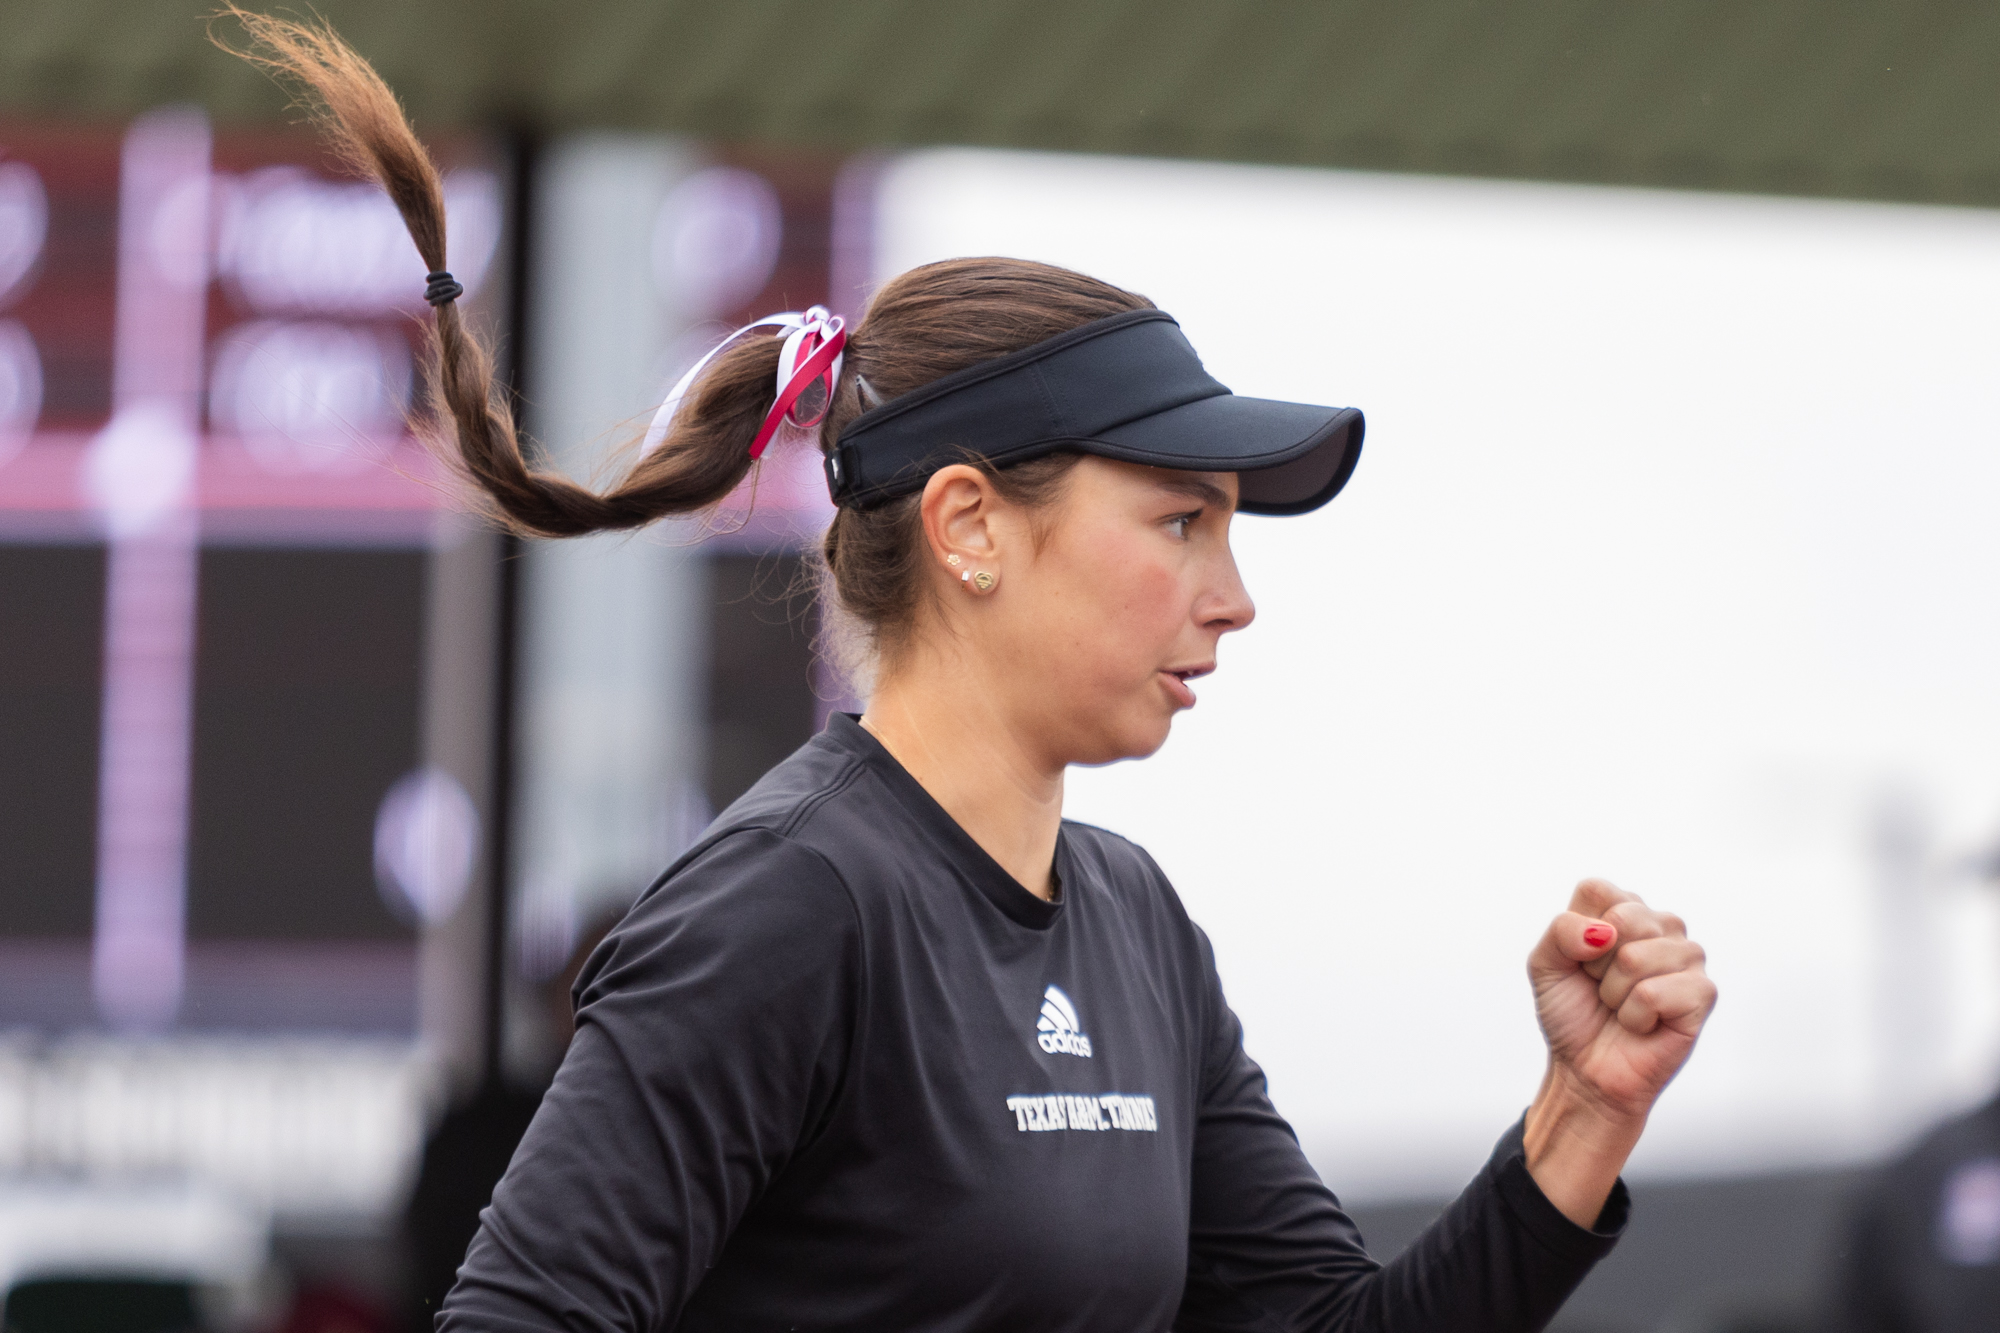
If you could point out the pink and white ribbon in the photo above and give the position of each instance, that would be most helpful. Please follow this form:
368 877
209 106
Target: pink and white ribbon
812 351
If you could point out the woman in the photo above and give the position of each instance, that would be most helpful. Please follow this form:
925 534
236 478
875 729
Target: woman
895 1047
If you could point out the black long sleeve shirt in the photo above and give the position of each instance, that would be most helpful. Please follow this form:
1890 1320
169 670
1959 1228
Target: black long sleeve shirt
838 1070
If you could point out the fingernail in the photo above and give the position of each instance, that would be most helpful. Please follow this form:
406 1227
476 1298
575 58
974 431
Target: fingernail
1597 936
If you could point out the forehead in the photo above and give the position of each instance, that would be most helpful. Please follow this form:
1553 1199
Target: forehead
1201 488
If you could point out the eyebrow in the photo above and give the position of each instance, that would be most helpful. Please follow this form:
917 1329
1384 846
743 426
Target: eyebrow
1195 488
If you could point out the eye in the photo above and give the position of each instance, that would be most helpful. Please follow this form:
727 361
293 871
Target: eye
1180 523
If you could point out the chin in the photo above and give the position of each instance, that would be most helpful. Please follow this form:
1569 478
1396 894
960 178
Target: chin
1155 738
1135 740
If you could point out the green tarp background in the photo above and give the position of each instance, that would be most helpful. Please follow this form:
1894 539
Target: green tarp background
1883 100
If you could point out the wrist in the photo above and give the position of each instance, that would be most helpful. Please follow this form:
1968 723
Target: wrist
1575 1145
1566 1111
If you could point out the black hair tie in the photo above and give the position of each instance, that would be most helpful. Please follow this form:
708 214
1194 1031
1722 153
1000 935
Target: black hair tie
443 288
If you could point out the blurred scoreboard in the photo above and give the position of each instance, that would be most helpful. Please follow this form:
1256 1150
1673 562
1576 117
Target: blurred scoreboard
216 533
302 310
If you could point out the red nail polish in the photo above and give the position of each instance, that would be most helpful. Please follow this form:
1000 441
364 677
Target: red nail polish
1597 936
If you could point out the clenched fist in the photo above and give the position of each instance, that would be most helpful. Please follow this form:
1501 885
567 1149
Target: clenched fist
1621 994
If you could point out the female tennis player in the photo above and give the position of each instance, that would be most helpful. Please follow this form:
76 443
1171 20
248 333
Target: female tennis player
895 1046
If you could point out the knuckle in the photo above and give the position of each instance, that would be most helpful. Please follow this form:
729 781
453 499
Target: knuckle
1598 891
1634 922
1624 971
1647 953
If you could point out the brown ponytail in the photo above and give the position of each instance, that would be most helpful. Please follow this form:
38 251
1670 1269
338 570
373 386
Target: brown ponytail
922 325
701 461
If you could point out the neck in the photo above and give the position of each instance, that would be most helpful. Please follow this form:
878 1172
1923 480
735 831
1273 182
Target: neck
955 738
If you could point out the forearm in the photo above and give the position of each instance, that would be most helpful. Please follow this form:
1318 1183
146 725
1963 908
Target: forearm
1501 1259
1576 1147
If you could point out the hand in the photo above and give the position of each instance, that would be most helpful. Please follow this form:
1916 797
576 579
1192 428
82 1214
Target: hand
1621 995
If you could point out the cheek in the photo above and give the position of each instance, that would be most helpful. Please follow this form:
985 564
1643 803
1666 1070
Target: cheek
1122 613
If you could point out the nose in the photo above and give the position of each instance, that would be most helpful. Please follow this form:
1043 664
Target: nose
1228 606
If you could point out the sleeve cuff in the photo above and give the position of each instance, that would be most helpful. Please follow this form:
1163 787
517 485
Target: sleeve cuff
1542 1219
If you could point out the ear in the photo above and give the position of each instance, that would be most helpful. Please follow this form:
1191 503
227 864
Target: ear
959 511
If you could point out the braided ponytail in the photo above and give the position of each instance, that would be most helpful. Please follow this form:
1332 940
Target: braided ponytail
705 455
927 323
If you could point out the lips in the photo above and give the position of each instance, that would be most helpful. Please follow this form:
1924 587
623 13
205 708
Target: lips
1178 678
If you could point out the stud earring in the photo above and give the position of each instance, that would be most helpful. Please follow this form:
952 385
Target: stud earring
952 560
984 581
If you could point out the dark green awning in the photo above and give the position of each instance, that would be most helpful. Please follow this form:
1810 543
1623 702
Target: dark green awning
1868 100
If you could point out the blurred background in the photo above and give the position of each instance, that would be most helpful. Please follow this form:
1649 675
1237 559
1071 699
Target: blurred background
1672 559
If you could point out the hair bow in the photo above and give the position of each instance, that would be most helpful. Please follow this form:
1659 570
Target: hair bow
812 352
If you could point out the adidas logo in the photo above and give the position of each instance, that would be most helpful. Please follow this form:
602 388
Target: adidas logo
1057 1031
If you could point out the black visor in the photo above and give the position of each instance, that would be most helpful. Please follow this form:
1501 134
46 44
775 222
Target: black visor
1128 387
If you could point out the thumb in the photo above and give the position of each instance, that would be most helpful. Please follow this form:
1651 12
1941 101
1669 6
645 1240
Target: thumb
1572 940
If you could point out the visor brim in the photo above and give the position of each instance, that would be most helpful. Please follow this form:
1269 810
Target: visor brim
1290 458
